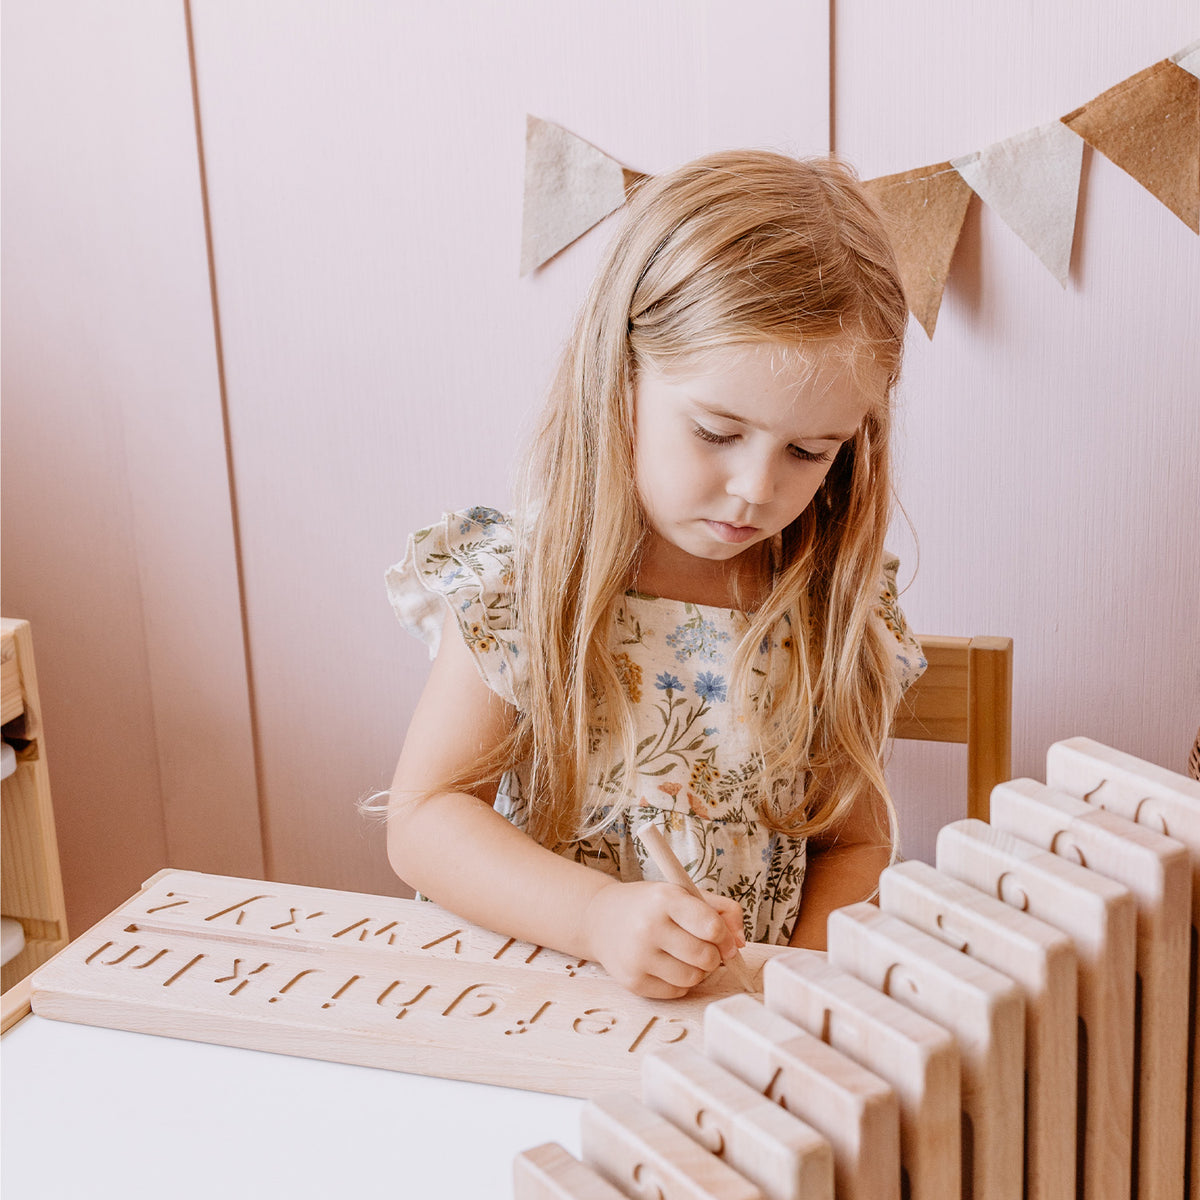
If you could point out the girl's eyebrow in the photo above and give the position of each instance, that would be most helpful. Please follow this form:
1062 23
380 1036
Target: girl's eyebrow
728 416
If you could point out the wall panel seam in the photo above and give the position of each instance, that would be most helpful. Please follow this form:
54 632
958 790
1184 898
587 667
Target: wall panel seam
223 397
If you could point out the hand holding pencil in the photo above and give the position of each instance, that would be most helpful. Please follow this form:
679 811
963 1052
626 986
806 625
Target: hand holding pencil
672 869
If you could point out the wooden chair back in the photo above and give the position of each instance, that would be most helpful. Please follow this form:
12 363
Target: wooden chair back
965 696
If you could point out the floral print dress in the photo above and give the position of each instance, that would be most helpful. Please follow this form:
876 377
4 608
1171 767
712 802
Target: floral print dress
696 774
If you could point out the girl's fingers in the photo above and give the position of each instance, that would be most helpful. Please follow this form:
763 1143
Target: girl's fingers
678 973
731 913
706 925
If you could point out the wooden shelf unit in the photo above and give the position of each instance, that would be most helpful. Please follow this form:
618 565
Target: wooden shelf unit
31 888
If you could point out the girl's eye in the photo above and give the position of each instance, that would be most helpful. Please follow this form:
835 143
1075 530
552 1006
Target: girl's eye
809 457
716 439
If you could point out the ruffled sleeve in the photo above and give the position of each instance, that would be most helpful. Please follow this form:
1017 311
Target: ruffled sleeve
910 662
465 564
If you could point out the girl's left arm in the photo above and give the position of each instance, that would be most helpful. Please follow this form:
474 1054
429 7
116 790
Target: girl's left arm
842 869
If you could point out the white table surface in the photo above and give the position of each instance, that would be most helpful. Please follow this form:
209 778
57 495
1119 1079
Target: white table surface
91 1113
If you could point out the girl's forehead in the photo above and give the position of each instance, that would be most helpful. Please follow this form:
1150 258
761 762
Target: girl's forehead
843 365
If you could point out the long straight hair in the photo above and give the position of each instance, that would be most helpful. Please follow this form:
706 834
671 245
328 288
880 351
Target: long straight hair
737 248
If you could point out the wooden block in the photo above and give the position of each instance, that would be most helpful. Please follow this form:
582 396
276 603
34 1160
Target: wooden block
1100 918
916 1057
982 1008
784 1157
1041 960
374 980
548 1172
643 1154
851 1107
1169 804
1157 872
12 702
1129 786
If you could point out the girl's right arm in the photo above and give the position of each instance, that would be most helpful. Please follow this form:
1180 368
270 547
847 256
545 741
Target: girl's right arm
654 938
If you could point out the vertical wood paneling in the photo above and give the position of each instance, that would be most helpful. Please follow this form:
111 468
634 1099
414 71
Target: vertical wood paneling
118 536
383 359
1049 437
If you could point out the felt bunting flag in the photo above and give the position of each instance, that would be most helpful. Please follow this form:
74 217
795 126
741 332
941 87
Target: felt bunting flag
569 187
923 211
1032 182
1149 125
1188 58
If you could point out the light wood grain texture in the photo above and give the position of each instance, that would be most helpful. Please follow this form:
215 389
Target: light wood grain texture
672 870
775 1150
1101 919
11 701
1157 872
31 888
847 1104
1168 803
645 1155
1041 959
14 1004
965 695
374 980
916 1057
548 1172
984 1010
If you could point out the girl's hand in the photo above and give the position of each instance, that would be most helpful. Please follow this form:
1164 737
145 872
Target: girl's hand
657 939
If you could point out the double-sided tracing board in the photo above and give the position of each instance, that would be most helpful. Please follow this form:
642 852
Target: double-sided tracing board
1019 1021
369 980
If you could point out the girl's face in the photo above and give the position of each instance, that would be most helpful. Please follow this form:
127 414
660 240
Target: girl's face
731 450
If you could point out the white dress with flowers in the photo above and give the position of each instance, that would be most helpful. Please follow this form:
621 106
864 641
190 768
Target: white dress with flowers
696 776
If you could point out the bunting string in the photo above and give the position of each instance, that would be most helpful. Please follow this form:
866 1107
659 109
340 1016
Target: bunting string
1148 125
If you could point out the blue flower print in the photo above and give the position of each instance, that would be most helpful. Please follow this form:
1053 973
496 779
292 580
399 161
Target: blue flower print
710 687
711 731
483 517
668 683
699 637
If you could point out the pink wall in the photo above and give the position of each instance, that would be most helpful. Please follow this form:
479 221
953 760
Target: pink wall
1050 438
199 538
381 362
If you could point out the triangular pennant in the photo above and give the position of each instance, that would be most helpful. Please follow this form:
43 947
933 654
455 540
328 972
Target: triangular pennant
569 187
1149 125
1189 59
1032 182
923 211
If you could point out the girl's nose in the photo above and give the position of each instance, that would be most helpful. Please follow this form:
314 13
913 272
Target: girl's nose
753 481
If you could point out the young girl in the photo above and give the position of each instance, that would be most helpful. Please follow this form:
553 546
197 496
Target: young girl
690 621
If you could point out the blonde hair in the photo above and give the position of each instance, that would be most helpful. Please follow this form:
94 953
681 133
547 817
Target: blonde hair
737 248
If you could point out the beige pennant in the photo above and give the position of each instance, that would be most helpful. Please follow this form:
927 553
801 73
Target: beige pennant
1032 182
923 210
1149 125
569 187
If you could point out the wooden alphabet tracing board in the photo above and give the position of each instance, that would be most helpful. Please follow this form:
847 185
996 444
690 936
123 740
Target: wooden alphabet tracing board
370 980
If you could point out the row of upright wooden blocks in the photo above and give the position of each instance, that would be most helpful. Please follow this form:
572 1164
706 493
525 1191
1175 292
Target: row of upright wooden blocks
1019 1021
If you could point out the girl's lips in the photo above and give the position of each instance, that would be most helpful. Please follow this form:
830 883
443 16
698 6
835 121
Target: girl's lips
732 533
